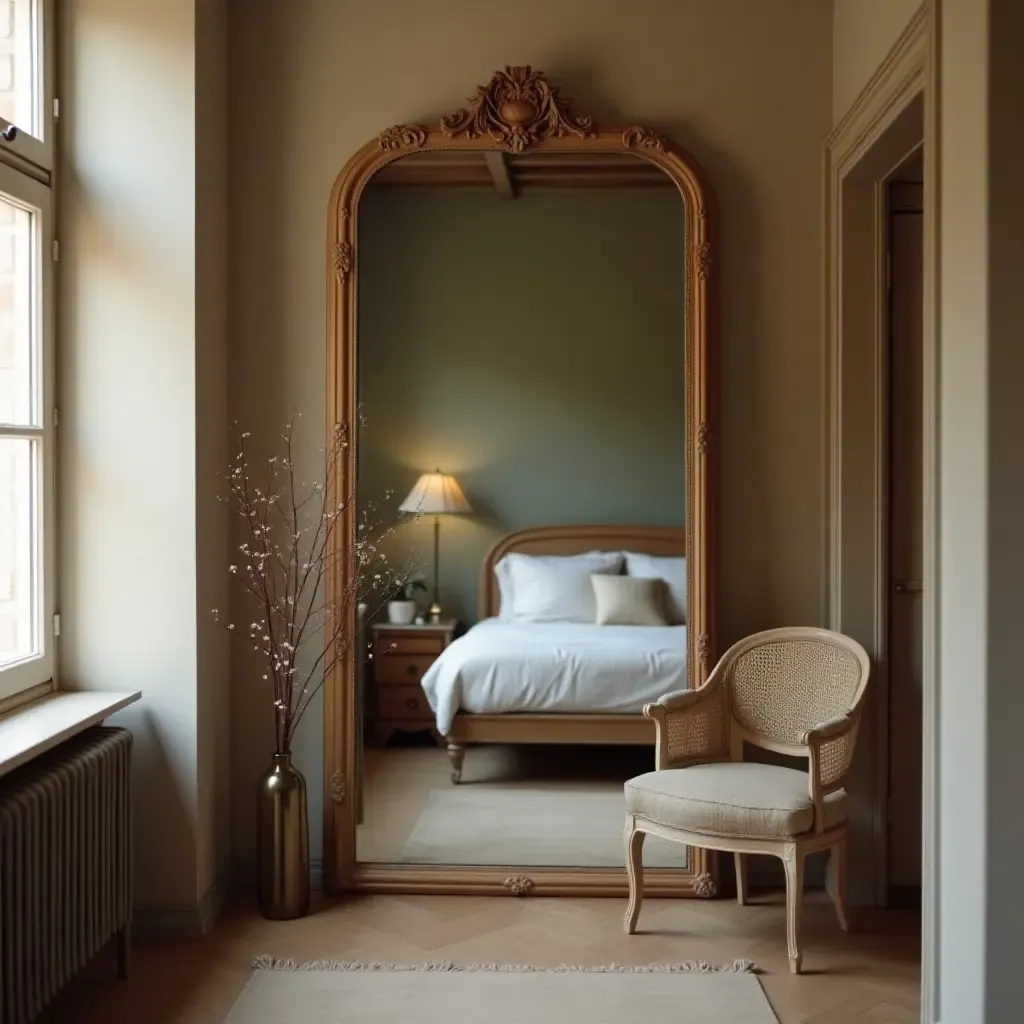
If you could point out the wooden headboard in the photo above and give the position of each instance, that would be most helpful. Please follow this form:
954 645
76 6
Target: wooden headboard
574 540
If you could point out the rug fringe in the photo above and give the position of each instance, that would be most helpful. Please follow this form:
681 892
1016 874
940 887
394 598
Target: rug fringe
270 963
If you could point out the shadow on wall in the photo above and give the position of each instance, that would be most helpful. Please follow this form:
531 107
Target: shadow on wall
266 350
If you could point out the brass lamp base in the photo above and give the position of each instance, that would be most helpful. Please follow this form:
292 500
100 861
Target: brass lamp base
434 613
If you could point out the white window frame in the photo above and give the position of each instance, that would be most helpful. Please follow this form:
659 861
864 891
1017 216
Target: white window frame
28 147
40 668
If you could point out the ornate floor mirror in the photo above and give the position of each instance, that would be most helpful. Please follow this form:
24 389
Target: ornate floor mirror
518 331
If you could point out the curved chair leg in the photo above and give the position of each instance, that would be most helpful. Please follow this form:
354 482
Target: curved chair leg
793 862
835 882
456 754
741 878
634 871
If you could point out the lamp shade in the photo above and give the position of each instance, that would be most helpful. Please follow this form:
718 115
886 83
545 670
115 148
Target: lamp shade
436 493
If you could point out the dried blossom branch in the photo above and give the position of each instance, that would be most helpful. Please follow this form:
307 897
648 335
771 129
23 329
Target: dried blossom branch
304 578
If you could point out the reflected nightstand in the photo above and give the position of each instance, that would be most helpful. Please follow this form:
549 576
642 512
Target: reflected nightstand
401 656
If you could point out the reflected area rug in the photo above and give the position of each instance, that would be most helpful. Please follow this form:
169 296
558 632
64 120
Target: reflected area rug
331 992
529 827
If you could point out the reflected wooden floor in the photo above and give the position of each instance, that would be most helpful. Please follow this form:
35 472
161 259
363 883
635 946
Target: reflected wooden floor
871 975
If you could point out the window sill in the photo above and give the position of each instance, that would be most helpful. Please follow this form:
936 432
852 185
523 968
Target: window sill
34 728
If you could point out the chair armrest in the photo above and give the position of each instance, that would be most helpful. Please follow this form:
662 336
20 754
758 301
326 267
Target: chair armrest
677 700
830 751
692 726
827 730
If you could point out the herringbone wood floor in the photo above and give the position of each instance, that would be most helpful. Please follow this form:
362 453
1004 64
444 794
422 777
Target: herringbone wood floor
870 975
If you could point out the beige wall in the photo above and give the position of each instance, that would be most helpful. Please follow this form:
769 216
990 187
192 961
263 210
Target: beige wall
863 32
1005 703
139 403
572 413
309 88
982 495
964 611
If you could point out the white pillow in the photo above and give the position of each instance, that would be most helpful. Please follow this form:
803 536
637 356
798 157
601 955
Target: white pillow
552 588
672 571
501 574
629 601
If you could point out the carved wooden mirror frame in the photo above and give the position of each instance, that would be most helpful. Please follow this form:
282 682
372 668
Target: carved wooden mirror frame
517 111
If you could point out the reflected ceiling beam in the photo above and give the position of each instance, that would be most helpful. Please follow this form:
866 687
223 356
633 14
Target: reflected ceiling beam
513 175
498 167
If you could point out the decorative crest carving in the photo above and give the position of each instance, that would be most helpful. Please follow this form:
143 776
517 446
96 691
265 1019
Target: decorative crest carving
638 135
704 885
704 648
402 136
343 259
517 108
703 259
518 885
703 437
337 787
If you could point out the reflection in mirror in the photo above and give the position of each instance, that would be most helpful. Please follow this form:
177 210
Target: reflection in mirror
521 373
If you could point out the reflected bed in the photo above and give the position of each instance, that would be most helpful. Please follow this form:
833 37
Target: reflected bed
511 667
557 682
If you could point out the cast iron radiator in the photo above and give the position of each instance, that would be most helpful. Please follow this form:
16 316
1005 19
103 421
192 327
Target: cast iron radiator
65 867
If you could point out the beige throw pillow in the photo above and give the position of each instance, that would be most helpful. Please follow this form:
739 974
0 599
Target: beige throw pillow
628 601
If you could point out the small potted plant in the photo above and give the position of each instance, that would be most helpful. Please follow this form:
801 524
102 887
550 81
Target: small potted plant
402 605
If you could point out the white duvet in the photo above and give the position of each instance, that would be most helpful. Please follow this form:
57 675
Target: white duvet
569 667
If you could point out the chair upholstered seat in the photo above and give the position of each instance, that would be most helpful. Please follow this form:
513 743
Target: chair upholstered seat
742 800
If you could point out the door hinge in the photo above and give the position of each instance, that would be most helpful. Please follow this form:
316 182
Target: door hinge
56 416
888 268
56 109
55 251
56 624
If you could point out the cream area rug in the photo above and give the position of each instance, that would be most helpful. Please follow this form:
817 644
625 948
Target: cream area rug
534 827
281 992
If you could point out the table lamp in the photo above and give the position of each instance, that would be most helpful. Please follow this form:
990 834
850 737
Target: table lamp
436 494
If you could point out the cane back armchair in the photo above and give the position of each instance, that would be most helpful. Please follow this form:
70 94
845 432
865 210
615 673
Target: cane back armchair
796 691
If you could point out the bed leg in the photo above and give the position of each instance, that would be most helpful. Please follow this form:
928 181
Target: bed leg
456 754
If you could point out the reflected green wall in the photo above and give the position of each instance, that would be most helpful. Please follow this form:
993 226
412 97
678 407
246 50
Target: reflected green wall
533 348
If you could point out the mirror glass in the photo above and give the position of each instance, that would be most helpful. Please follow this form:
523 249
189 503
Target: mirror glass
521 365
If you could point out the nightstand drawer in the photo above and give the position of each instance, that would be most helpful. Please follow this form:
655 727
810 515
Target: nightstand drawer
390 669
396 702
391 644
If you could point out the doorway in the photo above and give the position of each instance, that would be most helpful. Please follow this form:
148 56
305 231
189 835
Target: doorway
904 283
895 116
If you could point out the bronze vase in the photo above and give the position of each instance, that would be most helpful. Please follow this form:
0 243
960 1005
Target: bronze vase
282 842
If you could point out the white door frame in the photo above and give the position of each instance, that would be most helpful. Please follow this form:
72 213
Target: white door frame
900 100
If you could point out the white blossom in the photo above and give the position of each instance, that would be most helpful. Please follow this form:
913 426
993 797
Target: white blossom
288 553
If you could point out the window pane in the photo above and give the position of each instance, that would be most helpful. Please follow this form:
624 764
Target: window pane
19 568
18 357
19 93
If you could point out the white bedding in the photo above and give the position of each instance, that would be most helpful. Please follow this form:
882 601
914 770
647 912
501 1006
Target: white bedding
564 666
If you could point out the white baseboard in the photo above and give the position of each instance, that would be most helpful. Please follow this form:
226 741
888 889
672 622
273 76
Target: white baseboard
212 904
189 922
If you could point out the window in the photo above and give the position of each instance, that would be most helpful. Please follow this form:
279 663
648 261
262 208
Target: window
26 91
26 424
27 597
